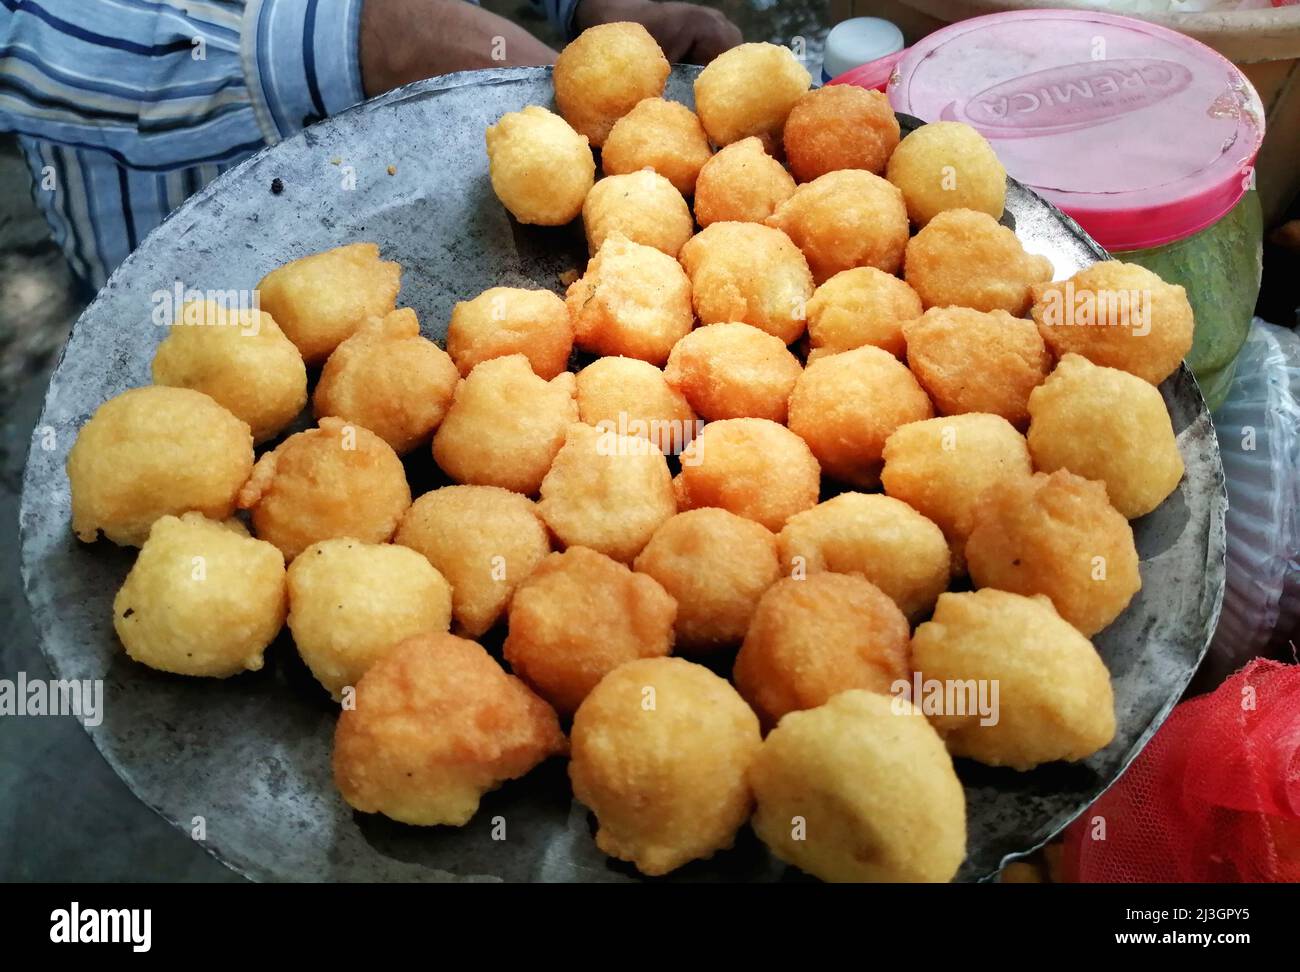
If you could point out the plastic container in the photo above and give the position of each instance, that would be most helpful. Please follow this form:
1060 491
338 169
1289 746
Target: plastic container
858 41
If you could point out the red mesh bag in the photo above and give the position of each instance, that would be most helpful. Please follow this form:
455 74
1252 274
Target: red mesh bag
1215 796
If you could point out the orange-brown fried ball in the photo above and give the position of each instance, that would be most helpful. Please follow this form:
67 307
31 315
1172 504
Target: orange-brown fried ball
642 206
840 126
631 397
749 90
541 169
741 184
858 307
948 165
604 73
511 320
734 371
661 135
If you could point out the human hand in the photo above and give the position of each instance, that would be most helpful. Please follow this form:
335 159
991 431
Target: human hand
687 32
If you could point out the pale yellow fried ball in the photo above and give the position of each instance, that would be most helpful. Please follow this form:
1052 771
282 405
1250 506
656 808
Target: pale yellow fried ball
336 480
238 357
1056 535
734 371
642 206
633 300
661 135
964 258
541 169
579 616
716 565
752 467
351 602
390 379
661 752
840 126
751 274
437 724
846 405
749 90
860 789
321 299
860 306
1118 315
511 320
505 425
154 451
203 598
947 165
604 73
631 397
1053 699
741 184
815 637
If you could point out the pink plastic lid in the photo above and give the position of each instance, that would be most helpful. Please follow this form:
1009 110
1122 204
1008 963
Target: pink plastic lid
1141 134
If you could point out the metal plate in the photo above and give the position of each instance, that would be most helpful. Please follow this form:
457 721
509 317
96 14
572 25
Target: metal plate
251 754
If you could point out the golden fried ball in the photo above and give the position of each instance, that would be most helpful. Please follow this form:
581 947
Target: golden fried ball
947 165
633 300
1057 535
511 320
963 258
815 637
1118 315
734 371
749 90
846 405
751 274
541 169
604 73
389 379
716 565
505 425
642 206
607 492
860 789
845 219
1107 425
632 397
153 451
661 749
437 724
336 480
241 359
860 306
579 616
977 361
741 184
661 135
840 126
752 467
351 602
1054 699
203 598
321 299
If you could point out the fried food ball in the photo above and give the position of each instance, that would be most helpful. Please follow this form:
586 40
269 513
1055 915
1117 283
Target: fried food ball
1118 315
661 135
815 637
860 306
734 371
541 169
963 258
977 361
511 320
840 126
241 359
505 425
1056 535
203 598
752 467
661 748
947 165
749 90
154 451
716 565
632 397
1054 699
849 218
579 616
321 299
741 184
882 538
860 789
604 73
633 301
642 206
846 405
437 724
351 602
751 274
1107 425
607 492
336 480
